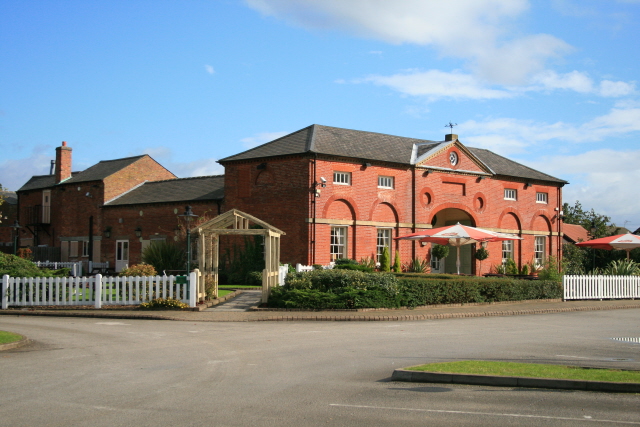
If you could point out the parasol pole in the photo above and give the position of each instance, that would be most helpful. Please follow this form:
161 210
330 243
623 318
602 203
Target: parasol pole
458 256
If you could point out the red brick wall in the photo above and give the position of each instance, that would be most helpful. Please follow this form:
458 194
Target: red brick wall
145 169
279 195
155 221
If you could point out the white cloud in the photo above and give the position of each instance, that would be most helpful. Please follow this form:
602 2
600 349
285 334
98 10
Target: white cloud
436 84
209 69
201 167
508 136
574 80
615 89
14 173
261 138
605 180
479 31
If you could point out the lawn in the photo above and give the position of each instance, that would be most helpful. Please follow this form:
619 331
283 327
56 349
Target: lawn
237 287
7 337
531 370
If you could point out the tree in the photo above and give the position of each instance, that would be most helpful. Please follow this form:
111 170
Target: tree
590 220
1 199
577 260
385 260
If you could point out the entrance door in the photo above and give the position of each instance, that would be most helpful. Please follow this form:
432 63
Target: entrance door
465 255
122 255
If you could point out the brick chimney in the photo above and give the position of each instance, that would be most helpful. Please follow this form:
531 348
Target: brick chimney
63 162
450 137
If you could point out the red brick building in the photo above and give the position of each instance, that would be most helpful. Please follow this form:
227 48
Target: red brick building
335 192
346 193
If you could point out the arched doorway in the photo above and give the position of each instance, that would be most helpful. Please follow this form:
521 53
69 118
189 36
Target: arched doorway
452 216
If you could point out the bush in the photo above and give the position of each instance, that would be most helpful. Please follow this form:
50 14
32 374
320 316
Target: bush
165 255
341 289
345 261
355 267
440 251
139 270
550 271
416 266
254 278
329 280
397 265
385 260
15 266
163 304
623 267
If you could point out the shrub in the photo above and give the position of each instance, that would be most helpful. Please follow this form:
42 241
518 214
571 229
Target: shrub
15 266
440 251
25 253
356 267
385 260
345 261
397 266
254 278
330 280
550 271
139 270
239 261
163 304
165 255
416 266
511 267
623 267
350 289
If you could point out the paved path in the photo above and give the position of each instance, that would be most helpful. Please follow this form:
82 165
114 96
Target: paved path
451 311
242 302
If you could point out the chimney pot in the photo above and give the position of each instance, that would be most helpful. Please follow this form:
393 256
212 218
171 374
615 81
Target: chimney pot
64 143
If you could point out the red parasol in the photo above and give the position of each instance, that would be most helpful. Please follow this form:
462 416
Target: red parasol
625 242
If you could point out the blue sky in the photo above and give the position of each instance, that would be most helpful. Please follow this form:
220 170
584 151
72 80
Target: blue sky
552 84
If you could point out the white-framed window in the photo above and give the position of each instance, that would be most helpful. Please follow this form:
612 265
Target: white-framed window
539 251
342 178
338 245
436 263
385 182
85 248
384 240
542 198
510 194
507 251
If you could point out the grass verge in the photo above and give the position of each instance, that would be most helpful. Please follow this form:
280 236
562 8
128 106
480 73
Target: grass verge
223 292
531 370
8 337
236 287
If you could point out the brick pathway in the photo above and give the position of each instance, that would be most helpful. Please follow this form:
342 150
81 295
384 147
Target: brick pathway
421 313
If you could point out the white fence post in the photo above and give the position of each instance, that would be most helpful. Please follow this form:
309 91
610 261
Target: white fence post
193 282
97 290
5 289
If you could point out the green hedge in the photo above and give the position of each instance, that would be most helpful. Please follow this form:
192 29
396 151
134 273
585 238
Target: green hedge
345 289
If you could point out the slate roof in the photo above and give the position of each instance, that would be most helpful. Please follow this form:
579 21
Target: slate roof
503 166
103 169
97 172
10 197
174 190
42 181
375 146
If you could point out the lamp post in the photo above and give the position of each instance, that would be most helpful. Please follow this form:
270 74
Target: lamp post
188 216
16 227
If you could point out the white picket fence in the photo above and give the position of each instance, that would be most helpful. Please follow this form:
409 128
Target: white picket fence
300 268
601 287
96 291
75 267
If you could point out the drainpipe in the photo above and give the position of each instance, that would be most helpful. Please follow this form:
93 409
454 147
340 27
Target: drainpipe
413 210
312 195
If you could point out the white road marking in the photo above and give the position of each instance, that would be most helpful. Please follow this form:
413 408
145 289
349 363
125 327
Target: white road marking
495 414
112 323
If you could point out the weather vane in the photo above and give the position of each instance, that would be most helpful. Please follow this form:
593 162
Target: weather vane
451 125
